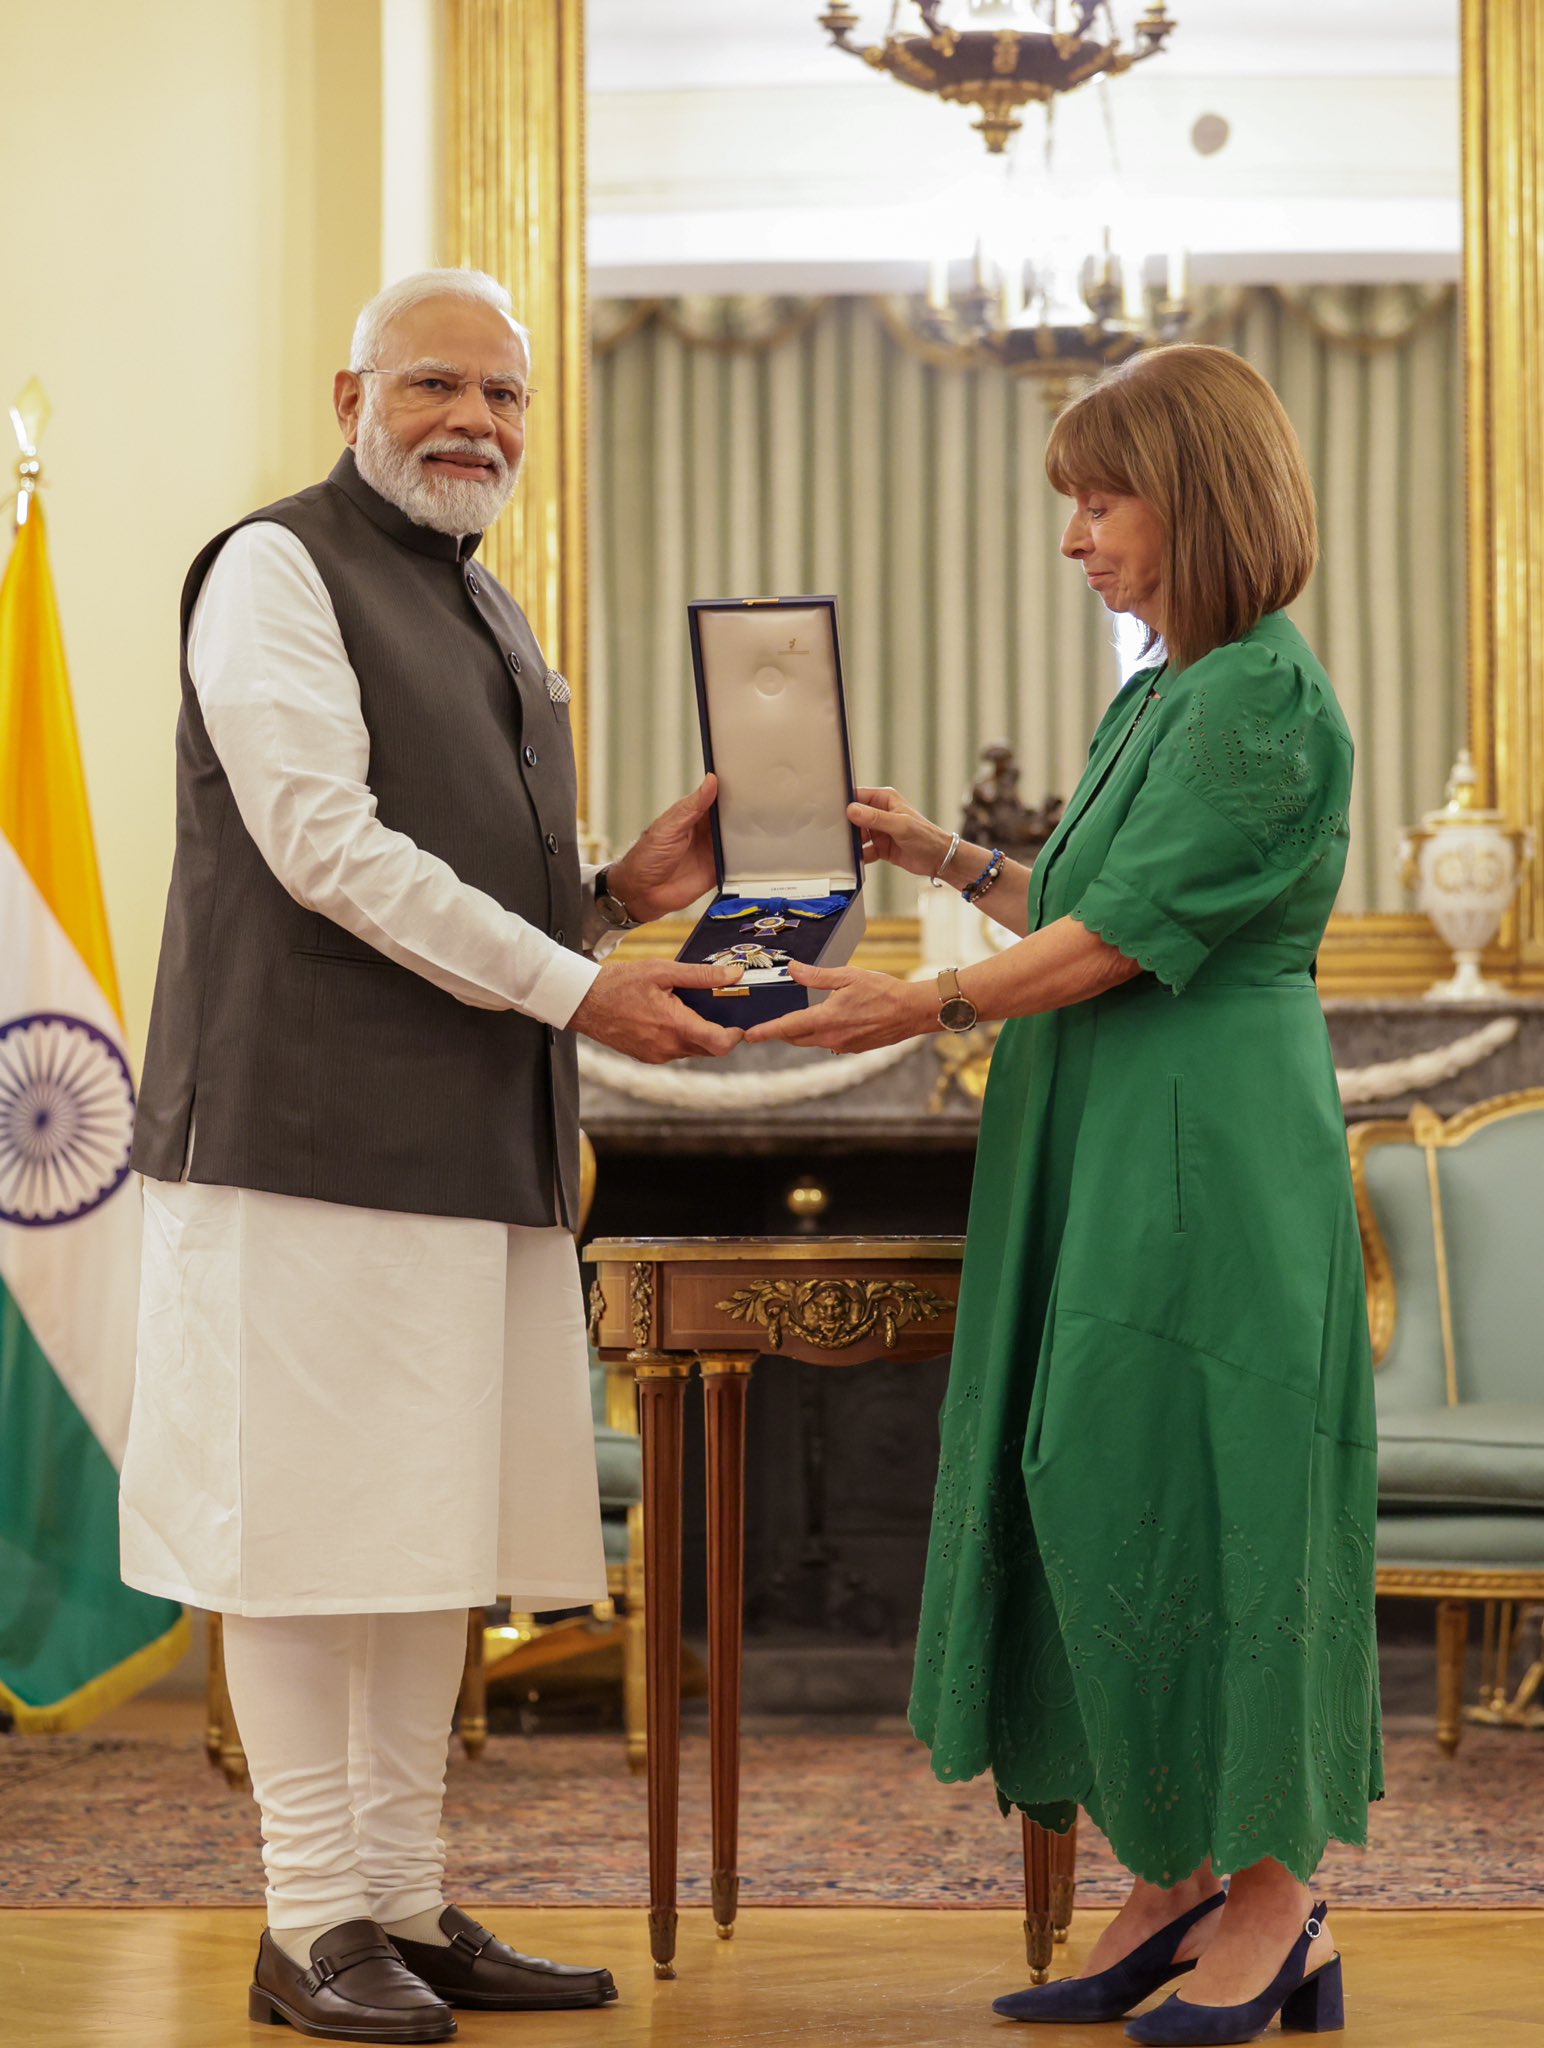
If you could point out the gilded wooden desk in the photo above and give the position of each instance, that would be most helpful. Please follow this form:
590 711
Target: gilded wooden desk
658 1307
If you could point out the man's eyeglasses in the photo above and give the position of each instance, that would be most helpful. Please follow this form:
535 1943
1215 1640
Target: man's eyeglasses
438 390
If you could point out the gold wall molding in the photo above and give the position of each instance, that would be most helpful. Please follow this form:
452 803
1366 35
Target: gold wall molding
1503 151
516 127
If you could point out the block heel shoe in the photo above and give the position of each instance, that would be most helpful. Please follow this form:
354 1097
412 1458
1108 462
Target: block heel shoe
1112 1993
1318 2005
1313 2004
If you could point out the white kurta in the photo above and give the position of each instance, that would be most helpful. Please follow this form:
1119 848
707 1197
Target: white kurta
343 1410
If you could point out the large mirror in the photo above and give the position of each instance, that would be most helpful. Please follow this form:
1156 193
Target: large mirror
772 409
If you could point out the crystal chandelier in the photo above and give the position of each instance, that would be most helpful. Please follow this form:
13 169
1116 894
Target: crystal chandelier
999 55
1063 313
1058 314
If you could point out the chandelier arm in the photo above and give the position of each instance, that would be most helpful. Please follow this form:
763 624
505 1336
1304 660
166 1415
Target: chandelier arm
1000 71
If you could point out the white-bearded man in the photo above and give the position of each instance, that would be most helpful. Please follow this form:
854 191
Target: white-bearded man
362 1398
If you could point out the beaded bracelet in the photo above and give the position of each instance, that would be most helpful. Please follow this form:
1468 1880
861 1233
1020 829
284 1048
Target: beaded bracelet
974 891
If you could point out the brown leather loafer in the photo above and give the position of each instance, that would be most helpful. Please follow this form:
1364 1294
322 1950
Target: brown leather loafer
357 1989
480 1970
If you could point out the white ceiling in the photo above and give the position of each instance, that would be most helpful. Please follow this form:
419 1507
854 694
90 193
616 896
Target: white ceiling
732 149
683 45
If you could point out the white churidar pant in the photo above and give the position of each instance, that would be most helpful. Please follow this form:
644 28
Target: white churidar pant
343 1411
344 1720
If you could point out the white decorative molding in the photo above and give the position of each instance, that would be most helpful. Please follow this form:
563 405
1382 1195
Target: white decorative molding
677 1087
684 1088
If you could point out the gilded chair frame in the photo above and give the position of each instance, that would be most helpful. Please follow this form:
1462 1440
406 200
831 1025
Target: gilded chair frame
1452 1587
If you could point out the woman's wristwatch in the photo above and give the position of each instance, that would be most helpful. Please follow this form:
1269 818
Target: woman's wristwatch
956 1011
612 908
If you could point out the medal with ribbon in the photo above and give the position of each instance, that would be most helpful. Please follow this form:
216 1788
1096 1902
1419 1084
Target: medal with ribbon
774 914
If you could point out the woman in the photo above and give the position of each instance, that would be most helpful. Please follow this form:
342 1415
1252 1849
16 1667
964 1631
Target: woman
1150 1585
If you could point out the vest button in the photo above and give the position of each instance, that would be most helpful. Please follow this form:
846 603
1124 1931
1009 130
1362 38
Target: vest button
514 661
531 757
552 842
473 585
560 935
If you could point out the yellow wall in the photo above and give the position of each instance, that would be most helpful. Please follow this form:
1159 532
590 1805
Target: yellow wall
190 221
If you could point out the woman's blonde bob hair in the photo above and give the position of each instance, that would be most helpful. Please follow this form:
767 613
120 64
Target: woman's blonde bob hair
1198 435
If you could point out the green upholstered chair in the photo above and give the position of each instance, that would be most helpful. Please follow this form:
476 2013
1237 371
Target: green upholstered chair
1450 1216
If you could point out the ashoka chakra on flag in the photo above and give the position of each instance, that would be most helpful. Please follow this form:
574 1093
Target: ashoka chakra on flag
66 1118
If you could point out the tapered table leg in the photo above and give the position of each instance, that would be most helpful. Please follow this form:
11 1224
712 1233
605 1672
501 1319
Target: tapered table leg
1064 1879
725 1384
661 1394
1039 1926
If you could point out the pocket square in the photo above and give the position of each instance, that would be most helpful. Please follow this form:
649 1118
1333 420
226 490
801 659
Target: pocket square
558 687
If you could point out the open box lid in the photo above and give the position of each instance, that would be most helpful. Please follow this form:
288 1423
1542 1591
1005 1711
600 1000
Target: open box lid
774 731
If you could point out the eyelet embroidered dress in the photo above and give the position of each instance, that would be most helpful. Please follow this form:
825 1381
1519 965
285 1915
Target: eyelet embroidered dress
1149 1588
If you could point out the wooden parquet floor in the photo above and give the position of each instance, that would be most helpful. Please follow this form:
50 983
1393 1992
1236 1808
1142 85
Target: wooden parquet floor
812 1977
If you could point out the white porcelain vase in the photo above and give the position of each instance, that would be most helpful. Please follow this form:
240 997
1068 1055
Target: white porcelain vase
1464 864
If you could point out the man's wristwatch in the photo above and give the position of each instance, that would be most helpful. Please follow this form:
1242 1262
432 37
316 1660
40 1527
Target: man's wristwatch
956 1011
612 908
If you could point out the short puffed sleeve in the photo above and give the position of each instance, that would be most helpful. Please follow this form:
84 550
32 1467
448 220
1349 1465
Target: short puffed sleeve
1248 788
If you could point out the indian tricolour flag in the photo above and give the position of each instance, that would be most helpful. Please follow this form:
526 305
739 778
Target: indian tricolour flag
74 1639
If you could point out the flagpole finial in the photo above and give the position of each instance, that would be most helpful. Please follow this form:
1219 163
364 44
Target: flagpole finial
30 414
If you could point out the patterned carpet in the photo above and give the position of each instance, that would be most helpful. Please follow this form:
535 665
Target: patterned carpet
840 1815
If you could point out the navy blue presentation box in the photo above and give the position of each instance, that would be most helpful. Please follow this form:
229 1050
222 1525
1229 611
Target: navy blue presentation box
773 713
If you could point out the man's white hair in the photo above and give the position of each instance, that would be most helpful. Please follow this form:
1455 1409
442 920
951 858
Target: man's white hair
370 328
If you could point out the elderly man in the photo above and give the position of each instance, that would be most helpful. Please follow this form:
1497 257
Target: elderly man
362 1401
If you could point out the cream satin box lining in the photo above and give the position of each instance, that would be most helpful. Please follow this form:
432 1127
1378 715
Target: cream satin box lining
773 713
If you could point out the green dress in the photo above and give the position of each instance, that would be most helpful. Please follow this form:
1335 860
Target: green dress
1149 1586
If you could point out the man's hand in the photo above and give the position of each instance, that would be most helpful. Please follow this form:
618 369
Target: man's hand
670 864
632 1008
866 1010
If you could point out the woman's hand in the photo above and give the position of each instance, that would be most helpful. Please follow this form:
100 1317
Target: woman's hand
893 831
866 1010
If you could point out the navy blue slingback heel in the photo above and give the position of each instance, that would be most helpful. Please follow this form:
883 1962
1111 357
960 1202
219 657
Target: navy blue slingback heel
1113 1992
1308 2004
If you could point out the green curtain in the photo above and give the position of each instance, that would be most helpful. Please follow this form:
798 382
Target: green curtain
821 451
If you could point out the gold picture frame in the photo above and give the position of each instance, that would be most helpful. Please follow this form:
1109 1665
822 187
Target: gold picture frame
517 209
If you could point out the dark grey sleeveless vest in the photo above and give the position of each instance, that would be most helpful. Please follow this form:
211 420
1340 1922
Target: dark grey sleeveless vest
312 1064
